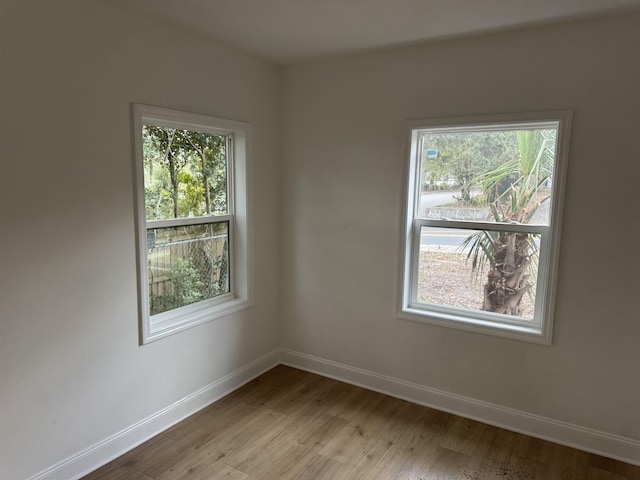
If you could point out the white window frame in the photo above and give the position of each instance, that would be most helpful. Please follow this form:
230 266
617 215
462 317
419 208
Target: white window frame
154 327
538 330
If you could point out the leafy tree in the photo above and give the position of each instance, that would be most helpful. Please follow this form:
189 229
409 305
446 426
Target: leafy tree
185 173
463 156
163 162
211 152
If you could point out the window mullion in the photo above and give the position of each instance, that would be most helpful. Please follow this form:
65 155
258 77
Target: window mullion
181 222
471 225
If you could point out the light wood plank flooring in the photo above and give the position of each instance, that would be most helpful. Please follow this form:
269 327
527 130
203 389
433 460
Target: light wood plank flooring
289 424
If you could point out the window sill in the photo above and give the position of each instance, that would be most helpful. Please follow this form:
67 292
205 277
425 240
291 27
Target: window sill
178 320
533 333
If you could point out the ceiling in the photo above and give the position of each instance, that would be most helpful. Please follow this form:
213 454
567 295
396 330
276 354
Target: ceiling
290 31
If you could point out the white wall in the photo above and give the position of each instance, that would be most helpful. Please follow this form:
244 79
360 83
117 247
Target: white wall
72 373
343 178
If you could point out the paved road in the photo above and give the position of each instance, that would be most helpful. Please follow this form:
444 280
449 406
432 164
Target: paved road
445 239
433 199
440 238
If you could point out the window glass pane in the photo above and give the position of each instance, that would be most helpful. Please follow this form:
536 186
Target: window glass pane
479 270
187 264
495 176
185 173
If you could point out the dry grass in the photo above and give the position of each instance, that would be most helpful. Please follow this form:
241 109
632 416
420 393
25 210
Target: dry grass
445 278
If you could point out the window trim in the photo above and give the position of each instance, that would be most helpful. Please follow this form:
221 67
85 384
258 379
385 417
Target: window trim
154 327
458 318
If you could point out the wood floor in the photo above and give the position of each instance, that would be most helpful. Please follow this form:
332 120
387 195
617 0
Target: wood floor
289 424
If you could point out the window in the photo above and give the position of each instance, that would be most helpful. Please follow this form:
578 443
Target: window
481 235
192 228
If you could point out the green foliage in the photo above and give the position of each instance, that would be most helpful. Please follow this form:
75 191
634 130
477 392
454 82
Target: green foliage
186 288
187 264
185 173
463 156
190 193
191 280
513 186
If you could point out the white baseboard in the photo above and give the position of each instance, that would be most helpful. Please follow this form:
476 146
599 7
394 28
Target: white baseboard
601 443
111 448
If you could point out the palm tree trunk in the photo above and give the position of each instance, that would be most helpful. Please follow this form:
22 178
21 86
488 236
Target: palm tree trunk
506 281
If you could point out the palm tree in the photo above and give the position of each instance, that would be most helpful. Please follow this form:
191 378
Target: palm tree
513 192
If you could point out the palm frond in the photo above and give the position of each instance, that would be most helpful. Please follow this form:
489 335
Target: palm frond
480 247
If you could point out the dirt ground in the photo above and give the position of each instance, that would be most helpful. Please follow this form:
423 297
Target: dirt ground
446 279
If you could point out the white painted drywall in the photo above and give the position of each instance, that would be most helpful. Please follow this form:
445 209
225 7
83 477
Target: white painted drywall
342 200
72 373
71 370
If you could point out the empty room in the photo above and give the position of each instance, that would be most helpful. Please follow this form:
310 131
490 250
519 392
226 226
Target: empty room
319 240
